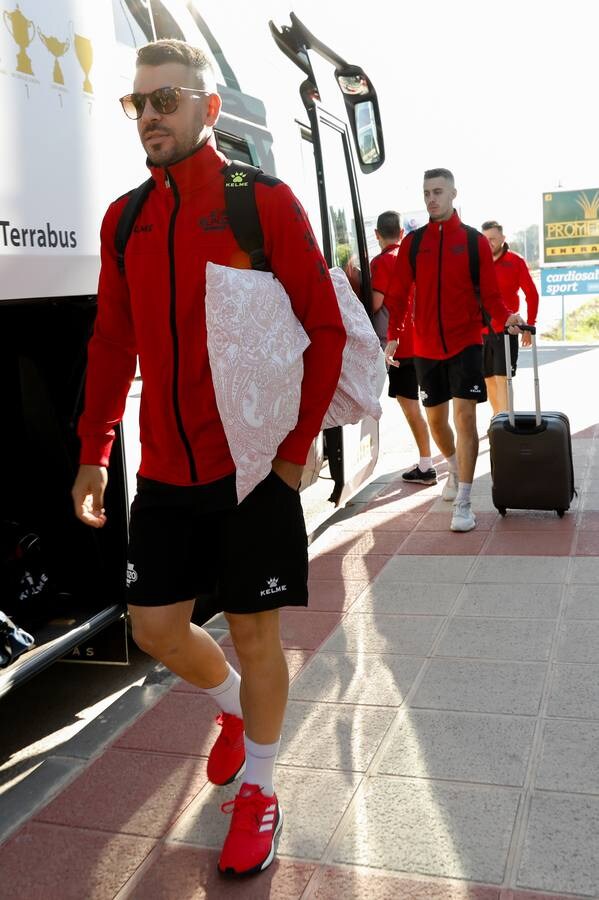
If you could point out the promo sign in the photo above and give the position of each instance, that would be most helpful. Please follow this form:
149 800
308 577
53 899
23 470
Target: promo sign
571 226
562 280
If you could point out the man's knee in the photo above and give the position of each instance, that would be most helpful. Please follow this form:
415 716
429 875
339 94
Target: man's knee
464 415
157 634
253 633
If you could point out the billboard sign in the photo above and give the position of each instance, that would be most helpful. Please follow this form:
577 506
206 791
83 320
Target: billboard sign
560 281
571 226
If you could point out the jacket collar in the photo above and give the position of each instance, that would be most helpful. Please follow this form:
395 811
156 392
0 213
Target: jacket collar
450 225
390 247
193 172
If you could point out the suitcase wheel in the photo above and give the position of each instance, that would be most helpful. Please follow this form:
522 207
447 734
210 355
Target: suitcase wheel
560 512
501 510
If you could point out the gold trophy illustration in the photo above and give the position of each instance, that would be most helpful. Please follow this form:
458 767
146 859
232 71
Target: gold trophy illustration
57 49
23 32
85 56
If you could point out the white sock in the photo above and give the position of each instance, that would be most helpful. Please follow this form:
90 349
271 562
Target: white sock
425 463
452 464
464 490
260 764
226 695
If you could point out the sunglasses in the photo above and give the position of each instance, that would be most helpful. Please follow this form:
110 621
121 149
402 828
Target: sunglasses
164 100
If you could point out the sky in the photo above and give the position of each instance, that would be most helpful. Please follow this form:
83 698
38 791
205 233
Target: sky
503 94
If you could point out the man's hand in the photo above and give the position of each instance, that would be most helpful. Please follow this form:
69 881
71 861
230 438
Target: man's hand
390 352
526 339
88 495
290 473
512 323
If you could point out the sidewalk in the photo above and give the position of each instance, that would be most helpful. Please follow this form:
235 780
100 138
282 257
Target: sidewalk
442 731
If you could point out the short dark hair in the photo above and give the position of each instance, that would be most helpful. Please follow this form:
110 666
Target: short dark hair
173 51
491 223
440 173
388 224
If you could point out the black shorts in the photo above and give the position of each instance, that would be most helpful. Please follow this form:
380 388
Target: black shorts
460 376
494 354
402 379
190 541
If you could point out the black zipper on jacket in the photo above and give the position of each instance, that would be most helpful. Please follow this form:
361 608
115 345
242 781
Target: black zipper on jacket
439 291
173 323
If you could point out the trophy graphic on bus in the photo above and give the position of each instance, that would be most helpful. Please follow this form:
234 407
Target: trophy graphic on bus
85 57
22 31
57 49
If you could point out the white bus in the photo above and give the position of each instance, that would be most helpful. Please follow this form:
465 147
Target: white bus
291 106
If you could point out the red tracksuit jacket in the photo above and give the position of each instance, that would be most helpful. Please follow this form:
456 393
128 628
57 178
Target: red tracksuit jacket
512 275
447 316
157 311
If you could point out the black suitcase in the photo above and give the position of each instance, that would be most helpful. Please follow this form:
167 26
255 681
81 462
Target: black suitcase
531 452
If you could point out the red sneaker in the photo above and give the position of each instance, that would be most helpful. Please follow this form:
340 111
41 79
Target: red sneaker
227 757
256 824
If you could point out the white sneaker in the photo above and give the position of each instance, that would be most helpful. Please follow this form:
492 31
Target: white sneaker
450 490
463 518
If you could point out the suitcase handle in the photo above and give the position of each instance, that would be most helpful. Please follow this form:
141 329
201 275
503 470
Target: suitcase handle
508 368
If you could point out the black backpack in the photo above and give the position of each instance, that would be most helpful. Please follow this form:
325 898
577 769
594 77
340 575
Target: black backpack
472 236
240 203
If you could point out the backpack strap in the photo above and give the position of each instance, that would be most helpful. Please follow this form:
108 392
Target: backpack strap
131 210
417 236
242 211
472 236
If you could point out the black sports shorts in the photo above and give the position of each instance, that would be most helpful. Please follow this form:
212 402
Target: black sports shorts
494 354
402 379
190 541
460 376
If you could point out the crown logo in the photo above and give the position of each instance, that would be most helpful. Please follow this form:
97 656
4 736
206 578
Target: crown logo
590 208
272 582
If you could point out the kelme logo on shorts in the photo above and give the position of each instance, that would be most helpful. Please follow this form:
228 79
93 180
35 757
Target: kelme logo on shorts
423 395
475 389
131 574
273 587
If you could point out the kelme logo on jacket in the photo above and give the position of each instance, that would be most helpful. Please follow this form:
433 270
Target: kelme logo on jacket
236 180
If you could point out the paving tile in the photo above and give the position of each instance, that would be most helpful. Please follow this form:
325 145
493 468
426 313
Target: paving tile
423 569
333 594
585 570
574 691
589 500
530 543
578 642
418 599
443 542
408 501
49 862
535 520
349 568
166 727
536 895
589 521
313 802
439 521
333 736
360 632
582 602
432 828
356 543
304 629
459 747
335 882
494 638
189 873
560 849
519 570
569 760
129 793
382 520
356 678
483 502
531 601
587 544
480 686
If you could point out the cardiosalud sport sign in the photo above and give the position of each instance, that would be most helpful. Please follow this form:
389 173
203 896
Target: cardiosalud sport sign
571 226
562 281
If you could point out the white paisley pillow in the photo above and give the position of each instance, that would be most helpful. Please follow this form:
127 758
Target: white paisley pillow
255 347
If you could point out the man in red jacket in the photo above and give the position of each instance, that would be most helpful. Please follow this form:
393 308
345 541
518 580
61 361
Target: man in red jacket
403 384
512 276
447 332
187 534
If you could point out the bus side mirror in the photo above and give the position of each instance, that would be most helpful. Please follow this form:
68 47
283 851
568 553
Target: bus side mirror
364 116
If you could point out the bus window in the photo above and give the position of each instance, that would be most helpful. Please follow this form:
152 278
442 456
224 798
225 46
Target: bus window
344 240
235 148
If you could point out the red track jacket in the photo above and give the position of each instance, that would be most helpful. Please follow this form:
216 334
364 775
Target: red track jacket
381 272
157 312
512 274
447 316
